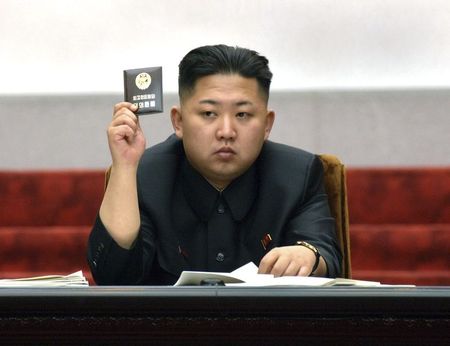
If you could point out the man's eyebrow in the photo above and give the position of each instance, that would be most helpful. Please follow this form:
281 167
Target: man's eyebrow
244 103
209 102
215 102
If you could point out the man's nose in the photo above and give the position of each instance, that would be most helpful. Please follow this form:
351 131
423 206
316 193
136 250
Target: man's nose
226 129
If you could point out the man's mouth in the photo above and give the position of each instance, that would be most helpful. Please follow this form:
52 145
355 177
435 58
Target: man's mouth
225 152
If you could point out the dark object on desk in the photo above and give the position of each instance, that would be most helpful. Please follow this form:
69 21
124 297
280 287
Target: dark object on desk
143 87
212 282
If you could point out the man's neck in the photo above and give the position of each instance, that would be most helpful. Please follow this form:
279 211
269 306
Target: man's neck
219 188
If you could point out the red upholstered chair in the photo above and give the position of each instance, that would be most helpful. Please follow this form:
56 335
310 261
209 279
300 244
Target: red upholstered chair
336 188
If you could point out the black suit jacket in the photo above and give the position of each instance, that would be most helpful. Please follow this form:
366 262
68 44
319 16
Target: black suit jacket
281 195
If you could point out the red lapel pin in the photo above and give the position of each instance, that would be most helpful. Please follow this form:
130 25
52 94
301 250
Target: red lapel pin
266 240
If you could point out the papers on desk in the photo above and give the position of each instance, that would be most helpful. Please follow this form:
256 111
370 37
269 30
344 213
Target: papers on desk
72 280
247 275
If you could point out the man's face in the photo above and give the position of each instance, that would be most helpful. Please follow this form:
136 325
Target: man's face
223 124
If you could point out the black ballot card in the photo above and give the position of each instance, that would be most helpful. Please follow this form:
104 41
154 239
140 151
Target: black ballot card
143 87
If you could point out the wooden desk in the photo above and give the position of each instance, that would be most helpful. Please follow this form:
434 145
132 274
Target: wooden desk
225 315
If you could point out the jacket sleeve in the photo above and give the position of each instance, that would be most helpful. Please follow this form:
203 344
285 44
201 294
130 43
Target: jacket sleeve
113 265
311 220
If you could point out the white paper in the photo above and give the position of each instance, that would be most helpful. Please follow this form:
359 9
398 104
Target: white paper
247 275
72 280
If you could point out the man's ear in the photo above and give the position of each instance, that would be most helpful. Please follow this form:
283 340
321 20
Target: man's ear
270 118
177 121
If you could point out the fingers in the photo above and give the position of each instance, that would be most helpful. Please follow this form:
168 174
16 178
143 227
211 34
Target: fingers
295 269
125 123
123 109
125 137
274 263
304 271
121 131
132 107
281 265
267 262
125 120
287 261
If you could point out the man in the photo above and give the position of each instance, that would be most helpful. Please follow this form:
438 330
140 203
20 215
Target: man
216 195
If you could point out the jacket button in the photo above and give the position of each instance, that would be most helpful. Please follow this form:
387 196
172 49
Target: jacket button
220 257
221 209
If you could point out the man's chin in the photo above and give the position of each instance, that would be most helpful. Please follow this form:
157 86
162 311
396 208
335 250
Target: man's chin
222 177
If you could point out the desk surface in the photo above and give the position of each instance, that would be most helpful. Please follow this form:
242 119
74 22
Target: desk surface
231 314
425 301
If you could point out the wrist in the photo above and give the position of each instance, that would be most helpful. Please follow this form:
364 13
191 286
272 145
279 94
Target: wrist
124 168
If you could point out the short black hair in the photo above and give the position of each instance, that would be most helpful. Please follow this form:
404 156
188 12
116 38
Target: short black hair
222 59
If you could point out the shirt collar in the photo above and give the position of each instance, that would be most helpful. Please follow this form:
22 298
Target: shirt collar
202 196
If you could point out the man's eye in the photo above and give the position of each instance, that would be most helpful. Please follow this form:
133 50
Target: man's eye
208 114
242 115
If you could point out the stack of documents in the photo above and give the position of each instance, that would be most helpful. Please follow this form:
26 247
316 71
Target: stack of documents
247 275
72 280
